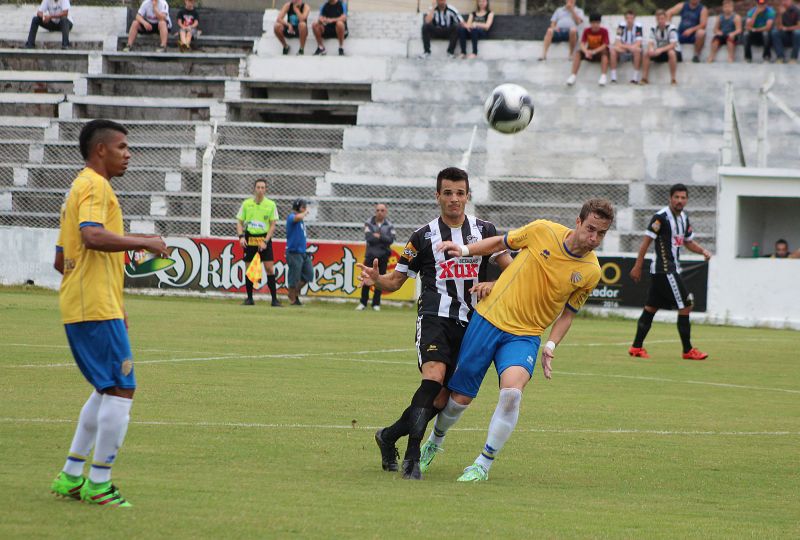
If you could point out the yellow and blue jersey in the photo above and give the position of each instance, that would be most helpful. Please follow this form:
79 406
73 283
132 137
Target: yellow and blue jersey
544 279
91 289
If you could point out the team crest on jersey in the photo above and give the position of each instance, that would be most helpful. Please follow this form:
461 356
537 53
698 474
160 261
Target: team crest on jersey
428 235
471 239
656 226
576 277
545 253
127 367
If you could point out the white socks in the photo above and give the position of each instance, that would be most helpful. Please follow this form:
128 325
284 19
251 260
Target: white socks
84 437
445 420
504 420
112 423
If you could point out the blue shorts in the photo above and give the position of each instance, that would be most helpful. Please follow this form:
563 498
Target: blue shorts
300 268
686 39
484 343
103 353
560 35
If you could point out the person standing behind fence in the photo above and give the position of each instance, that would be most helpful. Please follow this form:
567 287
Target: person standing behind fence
379 235
299 270
255 225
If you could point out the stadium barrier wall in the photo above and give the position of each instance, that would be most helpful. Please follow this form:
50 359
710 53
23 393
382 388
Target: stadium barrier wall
27 255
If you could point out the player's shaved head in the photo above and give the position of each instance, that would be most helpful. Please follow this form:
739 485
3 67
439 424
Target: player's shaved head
97 132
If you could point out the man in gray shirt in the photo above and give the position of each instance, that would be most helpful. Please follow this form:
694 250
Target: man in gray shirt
379 235
563 27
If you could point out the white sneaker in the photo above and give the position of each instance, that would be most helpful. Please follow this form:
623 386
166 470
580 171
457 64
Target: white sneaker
571 80
361 307
602 81
376 308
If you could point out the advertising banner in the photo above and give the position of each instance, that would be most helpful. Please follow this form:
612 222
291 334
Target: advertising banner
216 264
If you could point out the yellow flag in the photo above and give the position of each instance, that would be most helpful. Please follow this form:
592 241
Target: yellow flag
255 269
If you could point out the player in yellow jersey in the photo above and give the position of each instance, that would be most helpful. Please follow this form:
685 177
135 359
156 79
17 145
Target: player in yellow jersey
551 277
91 246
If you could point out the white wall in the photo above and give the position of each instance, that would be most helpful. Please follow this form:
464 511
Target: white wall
90 22
744 290
27 254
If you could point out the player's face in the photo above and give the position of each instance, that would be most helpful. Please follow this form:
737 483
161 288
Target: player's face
781 249
629 18
595 25
260 190
452 199
677 201
115 154
441 4
661 19
590 232
380 212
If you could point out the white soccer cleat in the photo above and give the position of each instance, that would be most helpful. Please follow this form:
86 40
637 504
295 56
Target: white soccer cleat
361 307
602 81
571 80
376 308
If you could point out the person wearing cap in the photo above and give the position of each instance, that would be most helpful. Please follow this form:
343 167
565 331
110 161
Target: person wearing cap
298 261
760 19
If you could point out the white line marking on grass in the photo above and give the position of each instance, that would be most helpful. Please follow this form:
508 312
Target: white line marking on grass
258 425
664 379
141 349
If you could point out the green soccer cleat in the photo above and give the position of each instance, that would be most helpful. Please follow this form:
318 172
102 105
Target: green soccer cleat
474 473
68 486
105 494
427 453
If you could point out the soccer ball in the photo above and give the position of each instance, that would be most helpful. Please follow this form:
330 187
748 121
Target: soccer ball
509 108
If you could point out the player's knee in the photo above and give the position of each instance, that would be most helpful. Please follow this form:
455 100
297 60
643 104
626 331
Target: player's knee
510 399
426 393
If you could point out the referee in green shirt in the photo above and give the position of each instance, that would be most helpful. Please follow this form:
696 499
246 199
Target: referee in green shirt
255 226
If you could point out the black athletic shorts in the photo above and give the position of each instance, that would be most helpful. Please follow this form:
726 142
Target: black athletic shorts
252 248
296 32
664 57
439 340
330 31
668 292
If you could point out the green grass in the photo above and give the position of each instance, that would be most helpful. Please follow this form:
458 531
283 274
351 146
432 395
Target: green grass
256 443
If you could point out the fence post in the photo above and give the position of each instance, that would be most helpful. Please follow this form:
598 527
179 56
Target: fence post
762 121
205 190
727 130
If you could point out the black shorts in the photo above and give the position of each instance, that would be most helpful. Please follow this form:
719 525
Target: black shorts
252 248
664 57
595 57
330 31
668 292
723 39
153 30
439 340
287 34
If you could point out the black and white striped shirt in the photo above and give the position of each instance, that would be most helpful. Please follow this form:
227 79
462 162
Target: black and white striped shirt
629 36
670 232
446 280
662 37
446 18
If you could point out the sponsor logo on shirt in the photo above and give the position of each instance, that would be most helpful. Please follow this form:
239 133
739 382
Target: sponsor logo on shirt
656 226
677 241
545 253
410 251
461 268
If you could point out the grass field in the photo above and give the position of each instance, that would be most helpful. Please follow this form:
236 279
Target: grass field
258 422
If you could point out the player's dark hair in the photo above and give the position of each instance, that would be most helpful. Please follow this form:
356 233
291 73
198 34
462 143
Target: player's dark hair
297 204
94 132
630 12
602 208
454 174
595 17
674 188
660 12
781 241
262 180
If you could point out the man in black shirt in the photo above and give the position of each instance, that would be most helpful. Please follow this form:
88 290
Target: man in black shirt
188 22
450 287
332 22
671 230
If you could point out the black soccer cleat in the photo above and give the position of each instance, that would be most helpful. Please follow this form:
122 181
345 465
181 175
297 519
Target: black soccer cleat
248 302
389 453
411 470
276 303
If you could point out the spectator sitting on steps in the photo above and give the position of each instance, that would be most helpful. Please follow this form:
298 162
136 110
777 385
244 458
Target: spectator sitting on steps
726 31
292 21
662 47
441 22
152 17
786 31
52 15
563 27
692 28
758 26
476 28
188 22
594 48
332 22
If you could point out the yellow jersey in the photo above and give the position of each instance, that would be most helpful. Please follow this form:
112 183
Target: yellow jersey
544 279
91 289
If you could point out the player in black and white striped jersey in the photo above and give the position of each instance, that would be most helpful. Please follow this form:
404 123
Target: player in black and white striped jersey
450 288
441 22
628 45
670 229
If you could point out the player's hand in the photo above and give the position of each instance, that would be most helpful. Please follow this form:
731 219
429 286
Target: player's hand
243 242
46 19
290 30
449 248
125 318
636 274
482 289
369 275
156 245
148 26
706 254
547 360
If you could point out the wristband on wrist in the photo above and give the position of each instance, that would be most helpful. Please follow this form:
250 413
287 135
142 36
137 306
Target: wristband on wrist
241 236
464 251
550 345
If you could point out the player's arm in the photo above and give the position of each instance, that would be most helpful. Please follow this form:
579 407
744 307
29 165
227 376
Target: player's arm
58 261
674 10
371 276
240 232
99 238
694 247
282 14
270 232
557 333
300 216
487 246
482 289
636 271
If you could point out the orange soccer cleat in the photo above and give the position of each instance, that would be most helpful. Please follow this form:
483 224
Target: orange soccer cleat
638 352
694 354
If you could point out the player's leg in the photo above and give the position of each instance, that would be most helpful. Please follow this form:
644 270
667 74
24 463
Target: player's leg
548 38
657 296
614 58
69 481
132 33
684 301
573 39
277 29
645 67
365 290
302 32
249 253
515 359
163 33
419 414
269 265
672 55
637 64
383 263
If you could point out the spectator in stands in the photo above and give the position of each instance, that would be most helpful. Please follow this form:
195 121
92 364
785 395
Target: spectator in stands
563 27
152 17
298 261
628 45
292 21
188 22
594 48
52 15
663 46
477 27
379 235
441 22
786 31
692 28
781 249
332 22
726 31
760 19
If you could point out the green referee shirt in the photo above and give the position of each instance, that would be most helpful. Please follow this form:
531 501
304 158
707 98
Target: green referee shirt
258 216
